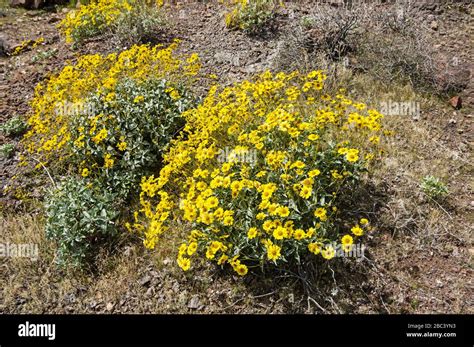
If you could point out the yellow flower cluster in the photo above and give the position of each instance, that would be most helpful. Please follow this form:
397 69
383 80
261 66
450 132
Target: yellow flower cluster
24 45
95 17
59 101
308 146
99 15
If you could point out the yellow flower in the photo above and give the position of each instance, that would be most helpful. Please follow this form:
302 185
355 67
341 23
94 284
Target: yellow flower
328 253
192 248
364 221
184 263
211 202
273 252
347 240
308 182
299 234
138 99
321 213
306 192
280 233
314 248
252 233
374 139
228 221
297 164
313 137
283 211
357 230
173 93
267 225
201 186
122 146
210 254
352 157
207 218
222 259
85 172
108 161
241 269
314 173
101 135
342 150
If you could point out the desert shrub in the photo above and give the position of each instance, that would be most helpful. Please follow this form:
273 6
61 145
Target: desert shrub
130 134
433 187
251 16
97 90
80 218
7 150
101 16
389 45
142 25
395 46
13 126
261 173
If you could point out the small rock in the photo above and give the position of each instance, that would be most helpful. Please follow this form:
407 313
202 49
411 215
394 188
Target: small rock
128 251
5 47
452 121
456 102
472 203
110 306
145 280
167 261
194 302
434 25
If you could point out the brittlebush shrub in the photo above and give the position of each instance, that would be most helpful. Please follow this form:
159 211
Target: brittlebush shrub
80 219
124 107
261 174
106 120
102 16
251 16
128 136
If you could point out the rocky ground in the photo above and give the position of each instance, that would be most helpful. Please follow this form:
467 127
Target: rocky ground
419 261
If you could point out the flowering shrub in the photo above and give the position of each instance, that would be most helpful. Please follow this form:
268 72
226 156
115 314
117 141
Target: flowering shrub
107 121
127 137
101 15
250 15
87 109
309 149
79 219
